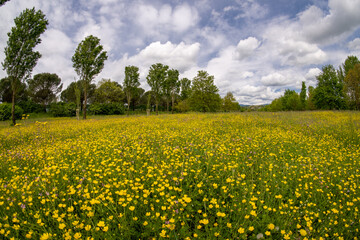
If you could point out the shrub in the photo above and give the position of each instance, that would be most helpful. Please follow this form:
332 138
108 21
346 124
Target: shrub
31 107
107 109
62 109
5 112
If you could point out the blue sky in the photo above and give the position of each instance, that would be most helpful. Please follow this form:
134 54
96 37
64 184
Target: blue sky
255 48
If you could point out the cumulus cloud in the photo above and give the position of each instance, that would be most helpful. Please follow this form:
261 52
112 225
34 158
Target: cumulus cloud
354 44
274 79
246 47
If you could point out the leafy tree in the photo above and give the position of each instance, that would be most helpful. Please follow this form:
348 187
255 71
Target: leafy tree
310 105
155 79
204 95
131 83
136 99
69 94
20 59
108 92
44 87
185 86
349 64
344 69
229 103
88 62
171 88
303 95
352 86
291 101
6 91
329 92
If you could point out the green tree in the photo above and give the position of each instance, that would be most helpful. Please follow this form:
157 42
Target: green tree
131 83
70 93
20 59
352 86
108 91
329 92
343 72
155 79
229 103
310 104
171 87
88 62
44 87
204 95
185 86
303 96
6 91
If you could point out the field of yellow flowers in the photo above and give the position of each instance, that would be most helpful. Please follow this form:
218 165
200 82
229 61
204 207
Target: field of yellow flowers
191 176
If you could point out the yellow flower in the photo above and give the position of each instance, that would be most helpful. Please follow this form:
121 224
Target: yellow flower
251 228
241 230
145 223
62 225
87 227
131 208
303 232
45 236
77 235
105 229
271 226
101 224
163 233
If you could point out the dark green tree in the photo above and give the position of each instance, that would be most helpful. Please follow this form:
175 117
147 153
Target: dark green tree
204 95
229 103
155 79
44 87
20 59
310 104
131 83
68 95
185 86
352 86
303 96
108 91
329 93
6 91
88 62
171 88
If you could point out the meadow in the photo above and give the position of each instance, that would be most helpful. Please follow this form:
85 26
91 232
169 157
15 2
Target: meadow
291 175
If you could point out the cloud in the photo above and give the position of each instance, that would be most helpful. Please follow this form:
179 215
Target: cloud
354 44
342 19
311 76
251 10
274 79
246 47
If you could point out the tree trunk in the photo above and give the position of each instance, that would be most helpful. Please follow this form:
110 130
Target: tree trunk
13 108
172 104
85 102
167 105
157 112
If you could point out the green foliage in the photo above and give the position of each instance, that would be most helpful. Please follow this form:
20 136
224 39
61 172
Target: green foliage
329 92
107 109
185 86
303 96
204 95
155 79
62 109
171 87
108 92
290 101
5 112
6 91
131 83
44 87
88 61
182 106
310 105
230 104
31 107
69 94
20 59
352 86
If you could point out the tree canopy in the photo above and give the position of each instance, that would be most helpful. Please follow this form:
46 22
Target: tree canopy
131 83
155 79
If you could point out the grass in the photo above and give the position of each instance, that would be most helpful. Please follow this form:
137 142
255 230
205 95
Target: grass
184 176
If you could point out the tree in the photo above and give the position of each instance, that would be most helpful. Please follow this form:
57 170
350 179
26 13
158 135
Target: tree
310 105
155 78
6 91
185 86
303 95
349 87
291 101
352 86
204 95
69 94
329 92
44 87
131 83
88 62
229 103
2 2
20 59
171 87
108 92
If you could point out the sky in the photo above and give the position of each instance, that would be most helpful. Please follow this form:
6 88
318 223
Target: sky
254 48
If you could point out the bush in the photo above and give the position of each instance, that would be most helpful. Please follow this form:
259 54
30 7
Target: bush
62 109
31 107
106 109
5 112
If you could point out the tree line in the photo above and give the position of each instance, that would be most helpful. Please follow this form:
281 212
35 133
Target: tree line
336 89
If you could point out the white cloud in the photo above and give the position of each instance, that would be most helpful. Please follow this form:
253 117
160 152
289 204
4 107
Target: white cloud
274 79
354 44
311 76
246 47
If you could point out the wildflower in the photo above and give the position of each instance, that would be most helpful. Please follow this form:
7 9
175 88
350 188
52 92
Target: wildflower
303 232
77 235
241 230
131 208
271 226
45 236
101 224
